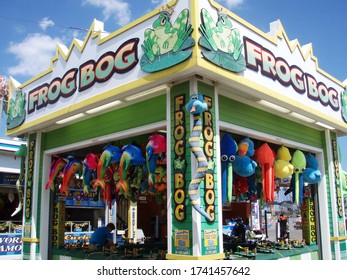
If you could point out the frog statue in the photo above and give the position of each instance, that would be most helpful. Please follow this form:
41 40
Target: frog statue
167 44
221 42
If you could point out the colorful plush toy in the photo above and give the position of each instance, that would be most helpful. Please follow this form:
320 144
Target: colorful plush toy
111 154
57 165
283 167
312 175
243 164
195 107
131 155
228 149
156 146
266 157
73 167
90 164
297 183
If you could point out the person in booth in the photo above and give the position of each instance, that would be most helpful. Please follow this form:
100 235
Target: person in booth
102 236
284 227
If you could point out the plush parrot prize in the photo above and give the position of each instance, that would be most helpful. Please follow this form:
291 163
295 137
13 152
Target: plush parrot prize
156 146
228 148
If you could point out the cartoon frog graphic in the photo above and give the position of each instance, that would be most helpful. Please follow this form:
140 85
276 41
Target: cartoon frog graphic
167 44
221 42
16 111
344 105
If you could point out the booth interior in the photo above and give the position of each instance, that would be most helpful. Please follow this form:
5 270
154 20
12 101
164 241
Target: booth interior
111 176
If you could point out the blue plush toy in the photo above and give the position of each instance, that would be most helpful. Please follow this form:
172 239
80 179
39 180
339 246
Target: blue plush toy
311 174
243 165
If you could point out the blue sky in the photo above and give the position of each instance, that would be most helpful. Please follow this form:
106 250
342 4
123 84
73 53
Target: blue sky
31 29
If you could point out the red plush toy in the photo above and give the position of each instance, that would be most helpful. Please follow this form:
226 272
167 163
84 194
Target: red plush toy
265 157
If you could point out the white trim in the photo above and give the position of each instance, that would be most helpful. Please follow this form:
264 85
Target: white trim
9 170
332 193
219 169
323 213
169 171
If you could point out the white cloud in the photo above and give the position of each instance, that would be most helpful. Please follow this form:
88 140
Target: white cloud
231 4
33 54
116 9
45 23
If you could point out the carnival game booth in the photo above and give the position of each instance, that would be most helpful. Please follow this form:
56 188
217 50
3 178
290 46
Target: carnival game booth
177 123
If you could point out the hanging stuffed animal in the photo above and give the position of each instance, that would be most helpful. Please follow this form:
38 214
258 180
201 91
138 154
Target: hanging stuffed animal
57 165
297 182
243 164
312 175
131 155
156 146
111 154
228 149
266 157
73 167
283 167
90 164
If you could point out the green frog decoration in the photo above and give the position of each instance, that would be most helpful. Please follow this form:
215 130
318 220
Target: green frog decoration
344 105
221 42
167 44
16 111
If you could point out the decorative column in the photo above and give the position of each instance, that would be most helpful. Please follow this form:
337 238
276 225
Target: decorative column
193 231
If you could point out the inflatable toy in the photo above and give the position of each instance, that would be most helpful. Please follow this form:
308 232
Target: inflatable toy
131 155
283 167
195 107
155 146
312 175
111 154
73 166
297 183
266 157
57 165
243 164
90 164
228 148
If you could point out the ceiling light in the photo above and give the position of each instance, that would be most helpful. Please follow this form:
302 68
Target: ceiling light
325 125
104 107
147 92
273 106
72 118
301 117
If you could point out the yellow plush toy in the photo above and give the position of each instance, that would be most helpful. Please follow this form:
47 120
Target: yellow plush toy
283 168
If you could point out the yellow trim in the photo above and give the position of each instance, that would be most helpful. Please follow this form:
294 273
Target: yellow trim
30 240
338 238
184 257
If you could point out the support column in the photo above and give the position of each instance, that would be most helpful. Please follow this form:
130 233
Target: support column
193 235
